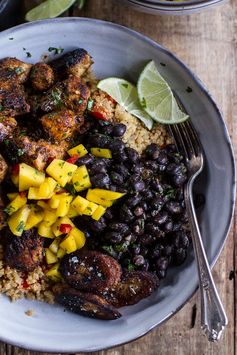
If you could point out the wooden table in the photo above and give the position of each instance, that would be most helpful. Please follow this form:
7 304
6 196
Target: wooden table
207 42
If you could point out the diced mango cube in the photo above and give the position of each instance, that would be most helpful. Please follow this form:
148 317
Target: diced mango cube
80 204
61 252
72 212
53 273
44 230
90 209
35 217
79 237
98 213
69 244
78 150
57 224
61 171
107 194
64 206
43 205
81 180
15 204
51 258
29 177
54 246
12 195
17 221
101 152
91 196
15 179
50 217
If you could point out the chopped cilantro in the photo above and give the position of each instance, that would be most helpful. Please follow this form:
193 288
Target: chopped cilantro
28 54
143 102
188 89
71 189
23 133
69 173
131 267
125 85
20 152
20 227
109 249
11 38
56 50
89 209
9 209
85 177
61 164
6 142
170 193
19 70
90 104
80 101
57 96
1 108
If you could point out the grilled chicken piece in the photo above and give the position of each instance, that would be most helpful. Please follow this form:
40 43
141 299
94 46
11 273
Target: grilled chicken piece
24 253
102 106
60 125
3 168
90 271
16 66
41 76
39 153
133 287
12 94
71 93
7 126
75 62
87 304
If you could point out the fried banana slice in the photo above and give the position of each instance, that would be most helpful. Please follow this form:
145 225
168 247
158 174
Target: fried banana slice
133 287
16 66
87 304
75 62
24 253
41 76
90 271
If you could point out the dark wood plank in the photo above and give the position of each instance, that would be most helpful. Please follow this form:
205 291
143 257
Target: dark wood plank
207 43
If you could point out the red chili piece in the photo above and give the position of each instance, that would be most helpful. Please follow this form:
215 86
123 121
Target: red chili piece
65 228
22 193
99 115
25 284
73 159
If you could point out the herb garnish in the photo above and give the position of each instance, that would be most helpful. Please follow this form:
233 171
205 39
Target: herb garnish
125 85
9 210
1 108
20 227
20 152
56 50
57 96
189 89
90 104
28 54
143 102
19 70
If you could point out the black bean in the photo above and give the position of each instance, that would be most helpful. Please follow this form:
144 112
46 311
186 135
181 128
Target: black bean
161 274
181 240
175 157
121 169
157 203
119 130
98 167
107 129
162 158
145 266
171 148
157 186
161 218
134 200
138 260
120 155
146 239
132 154
98 226
157 252
143 205
152 229
151 165
99 140
162 263
148 195
116 178
109 214
179 194
179 179
173 207
168 250
126 214
101 180
135 249
113 237
122 228
143 250
179 256
168 227
136 183
136 168
138 227
138 211
131 238
177 226
87 159
161 168
116 144
174 169
152 151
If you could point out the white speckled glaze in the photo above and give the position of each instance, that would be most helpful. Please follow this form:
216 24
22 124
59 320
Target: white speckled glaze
118 51
169 7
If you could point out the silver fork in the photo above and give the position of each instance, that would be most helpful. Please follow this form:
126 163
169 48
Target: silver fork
213 316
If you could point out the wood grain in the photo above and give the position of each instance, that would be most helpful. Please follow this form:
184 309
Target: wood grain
207 43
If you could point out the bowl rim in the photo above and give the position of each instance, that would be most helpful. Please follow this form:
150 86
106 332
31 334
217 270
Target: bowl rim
226 138
171 6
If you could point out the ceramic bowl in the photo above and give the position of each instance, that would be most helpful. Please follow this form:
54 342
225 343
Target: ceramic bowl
119 51
169 7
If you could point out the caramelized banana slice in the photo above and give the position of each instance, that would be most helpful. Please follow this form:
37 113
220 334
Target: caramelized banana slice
90 271
133 287
87 304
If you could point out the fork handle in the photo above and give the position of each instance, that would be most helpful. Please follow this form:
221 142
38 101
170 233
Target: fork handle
213 316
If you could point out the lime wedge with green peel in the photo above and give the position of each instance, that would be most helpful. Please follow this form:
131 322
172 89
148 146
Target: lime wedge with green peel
126 95
49 9
156 97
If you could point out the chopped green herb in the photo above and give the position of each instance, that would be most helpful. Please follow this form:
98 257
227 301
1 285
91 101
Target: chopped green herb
24 49
20 227
70 189
189 89
170 193
77 183
23 133
28 54
58 50
57 96
80 101
69 173
125 85
61 164
19 70
109 249
90 104
1 108
11 38
131 267
20 152
89 209
9 209
143 102
163 64
85 177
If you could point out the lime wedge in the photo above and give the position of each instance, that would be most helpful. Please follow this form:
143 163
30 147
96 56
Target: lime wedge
49 9
125 94
156 97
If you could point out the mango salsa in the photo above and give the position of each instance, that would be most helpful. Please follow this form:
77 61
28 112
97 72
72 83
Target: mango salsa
61 171
57 224
101 152
12 195
17 221
90 209
35 217
50 217
51 258
80 204
79 237
69 244
45 230
80 179
61 252
54 274
54 246
107 194
64 205
91 196
19 201
78 150
29 177
98 213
